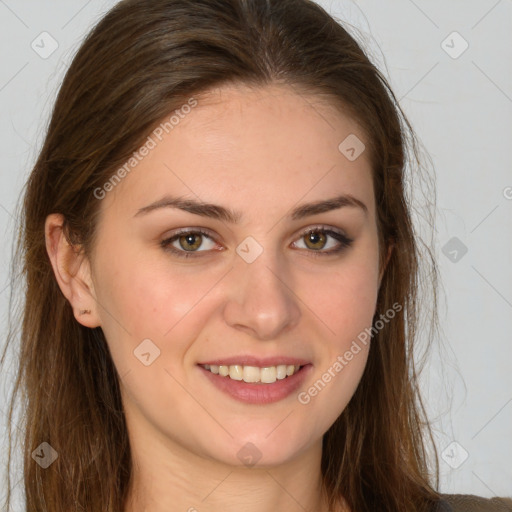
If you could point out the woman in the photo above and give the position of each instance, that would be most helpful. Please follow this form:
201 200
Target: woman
222 272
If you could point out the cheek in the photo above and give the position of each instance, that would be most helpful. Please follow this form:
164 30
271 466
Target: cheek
345 306
154 300
345 299
344 302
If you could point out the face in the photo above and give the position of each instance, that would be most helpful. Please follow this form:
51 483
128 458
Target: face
254 279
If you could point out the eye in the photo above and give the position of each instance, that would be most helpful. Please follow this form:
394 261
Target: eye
188 242
318 239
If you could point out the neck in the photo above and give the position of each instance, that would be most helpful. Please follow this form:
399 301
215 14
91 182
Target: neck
172 479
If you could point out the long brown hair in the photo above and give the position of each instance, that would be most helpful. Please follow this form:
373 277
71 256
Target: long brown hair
142 61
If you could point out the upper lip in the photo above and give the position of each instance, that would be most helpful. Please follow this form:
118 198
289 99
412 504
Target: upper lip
262 362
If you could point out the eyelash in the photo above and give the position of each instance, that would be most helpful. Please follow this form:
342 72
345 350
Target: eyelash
345 242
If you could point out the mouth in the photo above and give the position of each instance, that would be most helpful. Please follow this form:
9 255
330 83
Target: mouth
254 374
256 381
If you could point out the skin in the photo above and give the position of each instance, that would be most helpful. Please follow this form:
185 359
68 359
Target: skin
261 152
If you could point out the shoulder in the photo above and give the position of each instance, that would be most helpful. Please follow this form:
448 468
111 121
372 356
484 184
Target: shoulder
471 503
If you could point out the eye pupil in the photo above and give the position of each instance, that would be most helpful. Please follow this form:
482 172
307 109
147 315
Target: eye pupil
314 238
189 239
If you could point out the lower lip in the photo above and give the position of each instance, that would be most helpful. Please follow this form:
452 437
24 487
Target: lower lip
259 393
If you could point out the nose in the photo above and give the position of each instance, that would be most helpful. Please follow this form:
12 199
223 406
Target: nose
261 300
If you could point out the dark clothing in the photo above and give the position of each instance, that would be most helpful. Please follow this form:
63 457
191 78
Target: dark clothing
471 503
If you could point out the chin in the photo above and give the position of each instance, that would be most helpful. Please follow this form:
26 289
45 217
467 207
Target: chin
259 450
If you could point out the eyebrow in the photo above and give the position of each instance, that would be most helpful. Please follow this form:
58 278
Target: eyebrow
225 214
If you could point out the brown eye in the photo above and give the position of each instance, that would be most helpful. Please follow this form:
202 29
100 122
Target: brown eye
315 240
323 242
191 241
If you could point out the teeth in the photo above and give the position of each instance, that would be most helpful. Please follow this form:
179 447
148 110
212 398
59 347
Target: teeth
253 374
269 375
281 371
235 372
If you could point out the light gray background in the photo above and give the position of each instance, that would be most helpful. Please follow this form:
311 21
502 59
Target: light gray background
461 109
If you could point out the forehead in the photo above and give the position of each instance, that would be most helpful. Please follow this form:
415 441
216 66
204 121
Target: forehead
264 148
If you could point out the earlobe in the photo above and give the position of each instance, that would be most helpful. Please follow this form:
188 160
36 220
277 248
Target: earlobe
72 272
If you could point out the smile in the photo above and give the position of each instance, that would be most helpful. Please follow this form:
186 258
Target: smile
253 374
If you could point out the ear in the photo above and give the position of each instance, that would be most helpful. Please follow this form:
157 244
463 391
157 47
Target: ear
72 271
388 256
